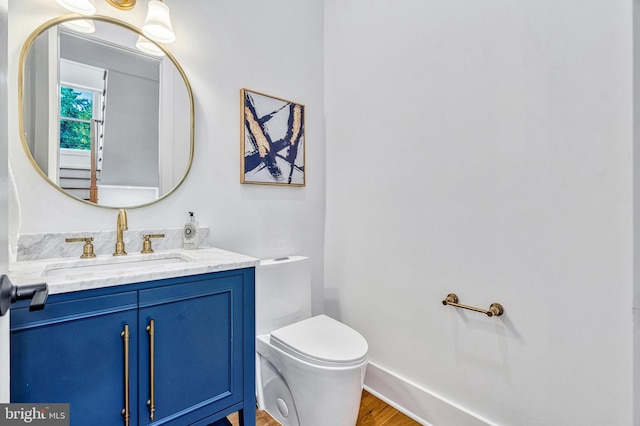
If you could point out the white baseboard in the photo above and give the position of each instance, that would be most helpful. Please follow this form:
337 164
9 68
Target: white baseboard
421 405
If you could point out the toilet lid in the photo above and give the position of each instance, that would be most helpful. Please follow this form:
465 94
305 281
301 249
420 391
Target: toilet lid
321 340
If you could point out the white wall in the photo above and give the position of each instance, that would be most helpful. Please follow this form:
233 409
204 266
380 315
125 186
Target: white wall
485 148
274 47
636 206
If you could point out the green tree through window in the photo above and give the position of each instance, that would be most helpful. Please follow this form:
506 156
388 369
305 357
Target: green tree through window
76 111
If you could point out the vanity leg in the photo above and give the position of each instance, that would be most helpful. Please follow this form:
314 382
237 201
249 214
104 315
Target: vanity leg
247 417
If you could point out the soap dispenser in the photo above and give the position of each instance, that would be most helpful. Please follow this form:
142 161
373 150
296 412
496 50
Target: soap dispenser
191 233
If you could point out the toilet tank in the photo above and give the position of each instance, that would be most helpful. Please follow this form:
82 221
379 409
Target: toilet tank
283 292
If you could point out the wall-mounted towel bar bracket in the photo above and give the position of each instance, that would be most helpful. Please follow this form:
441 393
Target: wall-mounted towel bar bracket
495 309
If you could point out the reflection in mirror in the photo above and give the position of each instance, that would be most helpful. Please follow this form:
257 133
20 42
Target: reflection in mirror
101 120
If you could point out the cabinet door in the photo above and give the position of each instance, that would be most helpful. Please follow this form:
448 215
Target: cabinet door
197 349
72 352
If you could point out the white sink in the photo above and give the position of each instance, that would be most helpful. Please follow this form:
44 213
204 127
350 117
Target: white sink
113 264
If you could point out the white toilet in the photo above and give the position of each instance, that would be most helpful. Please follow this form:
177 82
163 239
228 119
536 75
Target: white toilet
309 370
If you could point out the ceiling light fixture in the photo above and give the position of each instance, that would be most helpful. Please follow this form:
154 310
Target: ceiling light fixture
81 25
157 24
145 45
122 4
83 7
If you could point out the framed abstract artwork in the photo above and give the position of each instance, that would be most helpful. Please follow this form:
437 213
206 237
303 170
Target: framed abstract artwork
272 140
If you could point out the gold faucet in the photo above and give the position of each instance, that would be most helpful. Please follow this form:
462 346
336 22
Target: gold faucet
88 246
146 244
121 226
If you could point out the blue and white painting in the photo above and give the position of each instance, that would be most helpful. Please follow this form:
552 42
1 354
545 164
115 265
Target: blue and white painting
272 139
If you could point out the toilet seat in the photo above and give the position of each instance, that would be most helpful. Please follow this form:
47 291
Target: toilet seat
323 341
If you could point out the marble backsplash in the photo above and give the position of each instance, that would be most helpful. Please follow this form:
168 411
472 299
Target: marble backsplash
53 245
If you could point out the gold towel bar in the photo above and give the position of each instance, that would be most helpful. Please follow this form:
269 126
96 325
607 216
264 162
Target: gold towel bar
495 309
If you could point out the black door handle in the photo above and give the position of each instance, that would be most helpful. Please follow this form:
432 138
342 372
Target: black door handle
9 293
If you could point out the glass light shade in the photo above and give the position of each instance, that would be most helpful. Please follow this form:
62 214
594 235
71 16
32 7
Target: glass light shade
144 45
81 25
83 7
157 25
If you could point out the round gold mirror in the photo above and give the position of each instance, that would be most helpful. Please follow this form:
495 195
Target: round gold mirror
106 117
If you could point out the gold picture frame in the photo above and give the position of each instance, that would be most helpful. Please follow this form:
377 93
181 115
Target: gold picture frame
272 138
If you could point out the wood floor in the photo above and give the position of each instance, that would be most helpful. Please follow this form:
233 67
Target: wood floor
373 412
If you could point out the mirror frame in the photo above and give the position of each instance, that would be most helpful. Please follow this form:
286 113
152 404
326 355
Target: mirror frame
21 77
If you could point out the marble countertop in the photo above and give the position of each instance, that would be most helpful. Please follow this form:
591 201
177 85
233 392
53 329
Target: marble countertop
66 274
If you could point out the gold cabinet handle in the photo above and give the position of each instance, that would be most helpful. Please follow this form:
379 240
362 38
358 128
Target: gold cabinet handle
151 403
126 413
495 309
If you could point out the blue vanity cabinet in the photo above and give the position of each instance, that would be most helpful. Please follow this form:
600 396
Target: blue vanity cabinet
73 352
196 366
190 361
